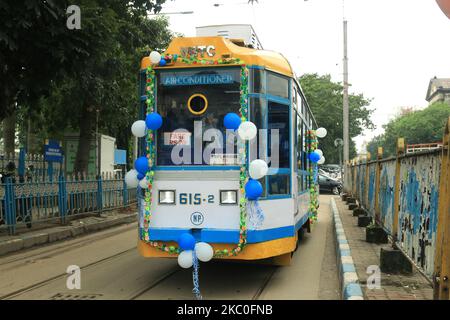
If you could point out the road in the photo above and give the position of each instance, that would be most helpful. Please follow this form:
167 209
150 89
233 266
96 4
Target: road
111 268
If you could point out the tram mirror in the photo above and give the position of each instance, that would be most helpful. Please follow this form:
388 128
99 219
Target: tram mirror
197 104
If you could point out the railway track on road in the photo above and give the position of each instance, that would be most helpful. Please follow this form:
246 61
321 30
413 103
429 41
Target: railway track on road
60 276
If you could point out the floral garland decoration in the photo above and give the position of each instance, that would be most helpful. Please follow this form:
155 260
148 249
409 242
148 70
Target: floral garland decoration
313 191
151 155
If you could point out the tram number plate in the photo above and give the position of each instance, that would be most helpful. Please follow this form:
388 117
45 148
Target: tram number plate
195 198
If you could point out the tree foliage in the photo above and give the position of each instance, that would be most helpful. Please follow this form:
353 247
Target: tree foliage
423 126
36 47
60 78
325 98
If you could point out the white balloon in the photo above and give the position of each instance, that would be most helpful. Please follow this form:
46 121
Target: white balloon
321 133
143 183
258 169
320 152
131 178
247 130
155 57
322 160
204 251
138 128
185 259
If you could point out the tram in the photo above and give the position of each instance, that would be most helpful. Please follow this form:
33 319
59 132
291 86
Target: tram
198 189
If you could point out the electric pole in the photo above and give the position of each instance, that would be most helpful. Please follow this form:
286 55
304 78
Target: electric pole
345 106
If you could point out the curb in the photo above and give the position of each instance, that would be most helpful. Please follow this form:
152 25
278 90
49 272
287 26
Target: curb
51 235
350 288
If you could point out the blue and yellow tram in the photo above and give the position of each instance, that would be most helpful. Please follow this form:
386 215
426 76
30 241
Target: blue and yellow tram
199 189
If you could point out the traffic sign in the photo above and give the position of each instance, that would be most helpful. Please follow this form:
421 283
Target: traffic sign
53 151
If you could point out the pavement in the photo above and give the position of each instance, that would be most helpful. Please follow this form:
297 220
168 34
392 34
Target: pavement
366 259
349 281
45 233
111 268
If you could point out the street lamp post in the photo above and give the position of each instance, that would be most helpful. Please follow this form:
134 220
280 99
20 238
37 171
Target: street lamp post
345 95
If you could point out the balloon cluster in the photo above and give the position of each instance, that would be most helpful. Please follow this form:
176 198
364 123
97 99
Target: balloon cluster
316 155
203 251
258 168
137 176
157 58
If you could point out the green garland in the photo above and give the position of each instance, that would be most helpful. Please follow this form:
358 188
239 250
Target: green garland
312 143
242 149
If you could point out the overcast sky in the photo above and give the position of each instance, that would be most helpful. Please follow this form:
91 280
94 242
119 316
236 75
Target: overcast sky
395 46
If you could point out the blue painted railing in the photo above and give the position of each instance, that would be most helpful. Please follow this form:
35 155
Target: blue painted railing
25 203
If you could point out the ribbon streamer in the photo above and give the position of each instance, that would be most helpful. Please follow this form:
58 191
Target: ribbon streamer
316 173
141 206
196 289
256 214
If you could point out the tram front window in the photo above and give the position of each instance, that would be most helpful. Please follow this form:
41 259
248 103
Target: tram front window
193 105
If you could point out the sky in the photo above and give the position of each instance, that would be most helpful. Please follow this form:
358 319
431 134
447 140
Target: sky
394 46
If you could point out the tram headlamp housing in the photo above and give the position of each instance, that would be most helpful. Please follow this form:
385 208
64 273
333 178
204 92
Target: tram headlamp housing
228 197
166 196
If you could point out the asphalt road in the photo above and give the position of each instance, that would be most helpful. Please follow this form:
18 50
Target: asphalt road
111 268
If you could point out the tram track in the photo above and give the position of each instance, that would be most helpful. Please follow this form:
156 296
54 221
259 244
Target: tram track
62 246
264 284
165 279
61 276
155 283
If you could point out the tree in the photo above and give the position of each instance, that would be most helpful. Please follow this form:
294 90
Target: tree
423 126
88 68
108 84
373 145
326 101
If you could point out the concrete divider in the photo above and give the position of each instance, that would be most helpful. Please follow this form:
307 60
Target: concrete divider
350 288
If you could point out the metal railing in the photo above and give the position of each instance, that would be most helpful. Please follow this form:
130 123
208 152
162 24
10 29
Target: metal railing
35 167
60 199
409 197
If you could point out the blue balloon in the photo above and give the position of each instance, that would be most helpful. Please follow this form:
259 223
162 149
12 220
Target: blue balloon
140 176
141 165
153 121
186 241
163 62
232 121
253 189
314 157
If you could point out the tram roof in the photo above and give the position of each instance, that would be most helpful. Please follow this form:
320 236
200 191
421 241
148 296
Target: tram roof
270 60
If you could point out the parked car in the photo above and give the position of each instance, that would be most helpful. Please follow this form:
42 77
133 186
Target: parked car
328 184
331 170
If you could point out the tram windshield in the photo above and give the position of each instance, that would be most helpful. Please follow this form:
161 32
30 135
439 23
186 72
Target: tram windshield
193 104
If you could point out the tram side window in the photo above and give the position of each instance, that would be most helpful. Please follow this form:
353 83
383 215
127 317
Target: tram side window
294 97
301 185
258 147
257 81
279 120
279 184
277 85
258 115
305 156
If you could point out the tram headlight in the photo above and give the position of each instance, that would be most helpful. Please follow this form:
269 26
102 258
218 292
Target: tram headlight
167 196
228 197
